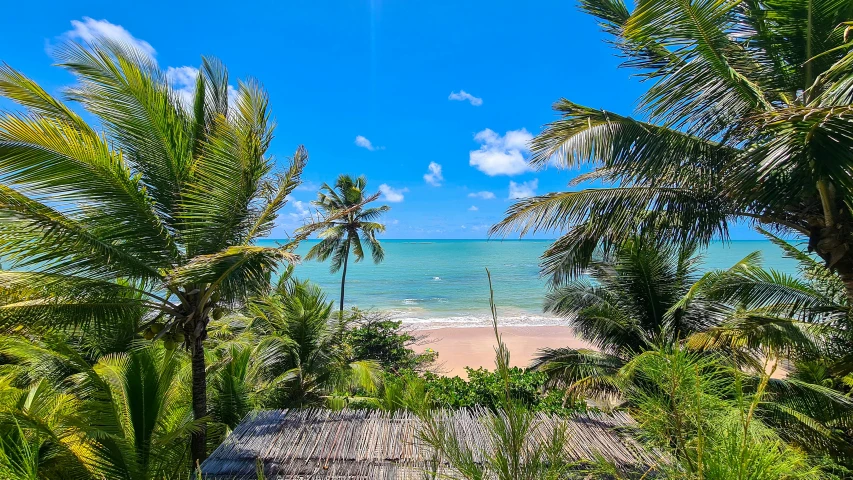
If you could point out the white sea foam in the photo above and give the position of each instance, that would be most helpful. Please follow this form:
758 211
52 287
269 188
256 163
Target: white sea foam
426 320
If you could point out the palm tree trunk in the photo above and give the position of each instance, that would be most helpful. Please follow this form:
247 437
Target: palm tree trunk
198 447
344 281
845 272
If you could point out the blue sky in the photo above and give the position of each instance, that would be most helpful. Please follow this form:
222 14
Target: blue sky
433 101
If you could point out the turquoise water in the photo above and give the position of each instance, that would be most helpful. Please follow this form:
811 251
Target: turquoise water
435 283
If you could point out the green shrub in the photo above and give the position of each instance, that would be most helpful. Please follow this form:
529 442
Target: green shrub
375 336
486 388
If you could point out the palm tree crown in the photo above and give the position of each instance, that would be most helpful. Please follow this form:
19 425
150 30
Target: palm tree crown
748 118
160 210
345 234
628 303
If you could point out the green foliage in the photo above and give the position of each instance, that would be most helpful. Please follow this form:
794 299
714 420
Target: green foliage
168 199
487 388
122 416
697 408
746 120
374 336
632 300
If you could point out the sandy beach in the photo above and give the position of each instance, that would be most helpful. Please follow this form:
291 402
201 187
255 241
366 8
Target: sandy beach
475 346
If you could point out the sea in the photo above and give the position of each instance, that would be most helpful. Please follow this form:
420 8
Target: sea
442 283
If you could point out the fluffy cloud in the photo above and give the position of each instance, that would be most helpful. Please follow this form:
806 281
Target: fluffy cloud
501 155
89 30
183 80
302 212
485 195
462 95
523 190
391 194
363 142
473 208
434 176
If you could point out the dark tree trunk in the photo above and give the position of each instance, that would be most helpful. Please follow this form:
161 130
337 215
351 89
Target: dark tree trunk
344 280
847 278
198 447
834 245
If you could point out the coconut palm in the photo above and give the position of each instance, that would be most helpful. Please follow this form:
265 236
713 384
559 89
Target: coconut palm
646 296
747 119
301 357
803 320
159 210
625 306
345 235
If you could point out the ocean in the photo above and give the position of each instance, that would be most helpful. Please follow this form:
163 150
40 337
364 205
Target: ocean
443 283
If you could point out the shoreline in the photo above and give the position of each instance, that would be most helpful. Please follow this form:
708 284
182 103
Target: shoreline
474 346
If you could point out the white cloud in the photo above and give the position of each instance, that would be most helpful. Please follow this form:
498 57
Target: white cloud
183 76
363 142
462 95
301 208
485 195
473 208
434 176
392 194
90 30
501 155
183 80
307 186
523 190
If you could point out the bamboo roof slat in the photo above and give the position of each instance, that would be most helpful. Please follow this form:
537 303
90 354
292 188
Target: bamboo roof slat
362 444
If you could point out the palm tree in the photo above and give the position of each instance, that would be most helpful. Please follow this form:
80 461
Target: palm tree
693 407
160 210
646 297
302 359
345 235
629 303
125 415
138 415
748 119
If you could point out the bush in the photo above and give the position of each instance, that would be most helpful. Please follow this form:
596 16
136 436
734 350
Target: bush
374 336
485 388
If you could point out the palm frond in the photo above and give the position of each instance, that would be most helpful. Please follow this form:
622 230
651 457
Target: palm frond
238 271
128 94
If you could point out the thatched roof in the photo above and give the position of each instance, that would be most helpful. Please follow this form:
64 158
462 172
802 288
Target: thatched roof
348 444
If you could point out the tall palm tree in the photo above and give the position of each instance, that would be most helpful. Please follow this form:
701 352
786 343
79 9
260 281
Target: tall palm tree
345 235
748 118
160 209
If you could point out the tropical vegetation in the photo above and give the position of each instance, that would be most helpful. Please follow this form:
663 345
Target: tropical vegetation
141 320
159 210
745 121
